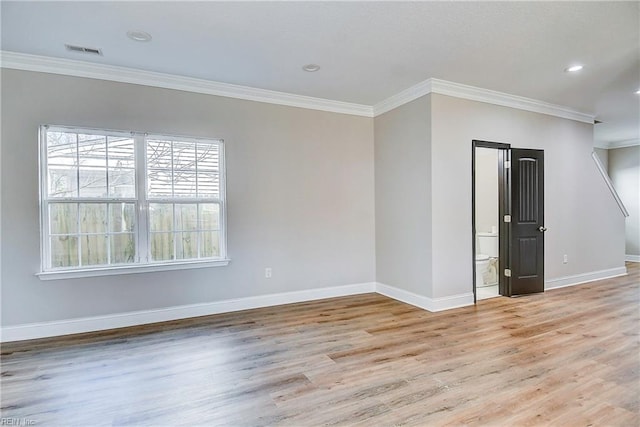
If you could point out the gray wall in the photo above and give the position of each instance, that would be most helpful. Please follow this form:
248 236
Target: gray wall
403 197
624 170
582 217
301 188
423 193
300 196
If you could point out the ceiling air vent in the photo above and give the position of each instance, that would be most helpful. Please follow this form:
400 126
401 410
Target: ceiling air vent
81 49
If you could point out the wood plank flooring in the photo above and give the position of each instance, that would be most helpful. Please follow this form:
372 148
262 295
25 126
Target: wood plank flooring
566 357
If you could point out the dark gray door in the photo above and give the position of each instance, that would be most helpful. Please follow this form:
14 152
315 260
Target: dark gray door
527 221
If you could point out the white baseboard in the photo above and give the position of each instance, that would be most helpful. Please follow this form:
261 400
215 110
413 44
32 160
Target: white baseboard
404 296
562 282
632 258
134 318
454 301
426 303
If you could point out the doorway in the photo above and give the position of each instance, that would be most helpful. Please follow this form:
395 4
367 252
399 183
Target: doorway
490 202
487 259
507 220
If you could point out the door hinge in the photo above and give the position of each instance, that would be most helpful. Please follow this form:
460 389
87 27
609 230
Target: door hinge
507 218
507 272
507 164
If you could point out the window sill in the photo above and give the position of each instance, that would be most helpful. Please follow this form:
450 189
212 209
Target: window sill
129 269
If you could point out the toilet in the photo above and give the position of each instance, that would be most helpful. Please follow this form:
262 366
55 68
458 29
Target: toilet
486 253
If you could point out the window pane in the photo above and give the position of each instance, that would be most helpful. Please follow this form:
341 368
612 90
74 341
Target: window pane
121 152
122 183
92 150
209 216
62 149
122 217
208 157
159 182
209 184
93 217
63 181
63 218
93 249
161 216
123 248
184 184
61 138
93 182
64 251
158 154
162 246
101 166
184 156
210 244
186 217
186 245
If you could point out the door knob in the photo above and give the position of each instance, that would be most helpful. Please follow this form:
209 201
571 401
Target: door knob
542 229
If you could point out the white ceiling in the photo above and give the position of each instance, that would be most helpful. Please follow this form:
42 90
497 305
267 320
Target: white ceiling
368 51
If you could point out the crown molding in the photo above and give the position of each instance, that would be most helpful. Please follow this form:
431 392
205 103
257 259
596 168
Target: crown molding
404 97
507 100
601 144
68 67
616 144
473 93
623 144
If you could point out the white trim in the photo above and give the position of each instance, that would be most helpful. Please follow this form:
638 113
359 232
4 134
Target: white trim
129 269
618 144
473 93
632 258
601 144
507 100
404 296
562 282
453 301
69 67
134 318
414 92
426 303
610 186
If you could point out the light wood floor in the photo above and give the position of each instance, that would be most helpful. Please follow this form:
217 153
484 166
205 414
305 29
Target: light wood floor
566 357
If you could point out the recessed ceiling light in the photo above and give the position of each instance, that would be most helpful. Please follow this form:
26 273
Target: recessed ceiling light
311 68
139 36
574 68
638 92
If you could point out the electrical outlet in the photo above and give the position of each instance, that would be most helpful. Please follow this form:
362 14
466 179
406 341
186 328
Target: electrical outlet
267 273
565 259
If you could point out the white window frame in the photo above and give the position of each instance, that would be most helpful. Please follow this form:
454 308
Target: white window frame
142 264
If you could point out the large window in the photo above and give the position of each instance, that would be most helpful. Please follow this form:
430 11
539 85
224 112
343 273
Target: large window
116 200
